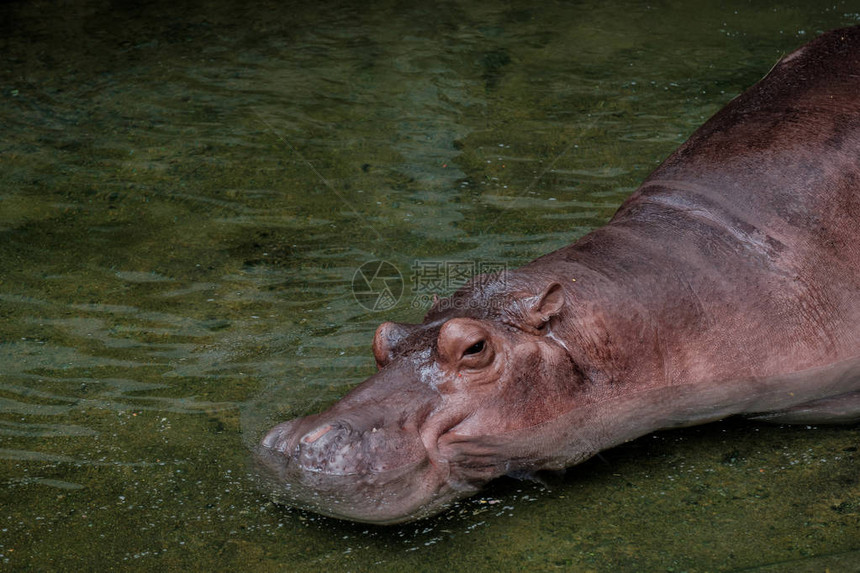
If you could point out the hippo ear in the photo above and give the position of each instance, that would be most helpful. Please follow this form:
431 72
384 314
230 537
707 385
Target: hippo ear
388 335
538 309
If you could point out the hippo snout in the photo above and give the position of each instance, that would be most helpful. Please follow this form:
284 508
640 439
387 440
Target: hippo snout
372 457
338 447
327 447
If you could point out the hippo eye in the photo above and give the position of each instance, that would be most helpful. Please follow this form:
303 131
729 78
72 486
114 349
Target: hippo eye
474 349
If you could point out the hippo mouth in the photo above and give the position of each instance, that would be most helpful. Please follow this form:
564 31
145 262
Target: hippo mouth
373 473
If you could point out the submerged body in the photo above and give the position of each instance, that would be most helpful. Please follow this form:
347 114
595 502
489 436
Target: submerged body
729 283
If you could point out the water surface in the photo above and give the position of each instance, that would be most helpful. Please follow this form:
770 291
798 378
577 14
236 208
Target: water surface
187 192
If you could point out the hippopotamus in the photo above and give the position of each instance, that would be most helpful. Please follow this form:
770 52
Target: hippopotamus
727 284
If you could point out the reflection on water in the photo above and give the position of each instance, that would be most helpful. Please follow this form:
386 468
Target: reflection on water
187 192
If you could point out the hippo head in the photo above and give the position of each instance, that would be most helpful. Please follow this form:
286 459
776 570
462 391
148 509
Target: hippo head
450 408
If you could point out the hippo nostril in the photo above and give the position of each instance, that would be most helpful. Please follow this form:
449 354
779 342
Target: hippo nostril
315 435
324 434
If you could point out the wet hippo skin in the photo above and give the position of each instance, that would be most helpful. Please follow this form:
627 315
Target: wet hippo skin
728 283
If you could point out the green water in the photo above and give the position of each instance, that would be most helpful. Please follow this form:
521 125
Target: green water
186 193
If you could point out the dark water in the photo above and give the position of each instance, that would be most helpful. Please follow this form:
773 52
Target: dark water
187 191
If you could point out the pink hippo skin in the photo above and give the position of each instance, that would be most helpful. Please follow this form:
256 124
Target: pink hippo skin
729 283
